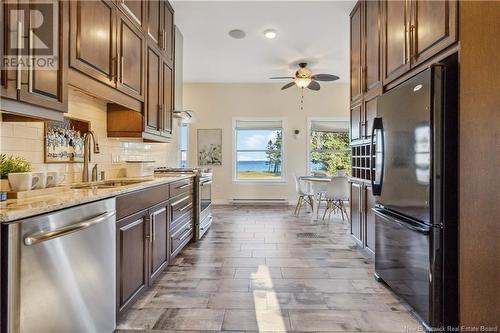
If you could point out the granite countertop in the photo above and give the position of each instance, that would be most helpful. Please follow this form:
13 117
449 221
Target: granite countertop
16 209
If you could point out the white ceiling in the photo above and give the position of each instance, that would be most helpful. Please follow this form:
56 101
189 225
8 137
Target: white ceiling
314 31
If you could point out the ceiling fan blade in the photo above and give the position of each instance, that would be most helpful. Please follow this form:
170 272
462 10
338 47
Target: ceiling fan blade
288 85
325 77
314 85
281 77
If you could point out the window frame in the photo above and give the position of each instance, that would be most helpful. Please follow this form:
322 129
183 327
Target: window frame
310 120
187 144
283 178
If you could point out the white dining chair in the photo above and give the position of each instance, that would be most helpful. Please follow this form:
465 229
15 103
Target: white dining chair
305 194
336 194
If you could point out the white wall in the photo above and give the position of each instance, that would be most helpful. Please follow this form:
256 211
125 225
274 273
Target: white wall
216 104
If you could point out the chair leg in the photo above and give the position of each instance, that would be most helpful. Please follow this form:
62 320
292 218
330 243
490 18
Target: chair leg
326 209
297 207
310 200
340 205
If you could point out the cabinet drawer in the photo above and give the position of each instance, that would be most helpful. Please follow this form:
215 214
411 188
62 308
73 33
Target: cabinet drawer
181 205
180 238
181 186
130 203
180 222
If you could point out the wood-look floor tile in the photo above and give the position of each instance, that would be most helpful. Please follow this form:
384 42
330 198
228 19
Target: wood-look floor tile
190 319
257 320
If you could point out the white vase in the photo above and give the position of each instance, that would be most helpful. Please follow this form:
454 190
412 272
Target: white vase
341 173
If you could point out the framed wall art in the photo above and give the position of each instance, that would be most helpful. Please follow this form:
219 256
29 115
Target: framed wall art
64 140
209 146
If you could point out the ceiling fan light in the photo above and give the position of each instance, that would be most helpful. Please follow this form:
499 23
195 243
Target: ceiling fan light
270 34
302 82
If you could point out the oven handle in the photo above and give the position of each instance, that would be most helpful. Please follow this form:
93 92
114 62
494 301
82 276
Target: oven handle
206 183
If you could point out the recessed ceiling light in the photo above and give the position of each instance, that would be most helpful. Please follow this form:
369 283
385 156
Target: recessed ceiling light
237 34
270 34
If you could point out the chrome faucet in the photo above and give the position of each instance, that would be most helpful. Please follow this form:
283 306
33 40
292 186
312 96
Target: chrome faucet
89 136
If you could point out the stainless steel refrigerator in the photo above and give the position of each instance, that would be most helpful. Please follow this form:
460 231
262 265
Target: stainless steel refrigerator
414 150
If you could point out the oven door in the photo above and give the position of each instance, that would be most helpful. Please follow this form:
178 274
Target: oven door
205 195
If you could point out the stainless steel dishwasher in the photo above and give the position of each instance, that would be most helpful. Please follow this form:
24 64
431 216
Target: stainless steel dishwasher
61 271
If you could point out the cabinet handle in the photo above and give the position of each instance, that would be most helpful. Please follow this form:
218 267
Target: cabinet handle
121 69
189 205
166 118
183 186
19 54
153 228
158 125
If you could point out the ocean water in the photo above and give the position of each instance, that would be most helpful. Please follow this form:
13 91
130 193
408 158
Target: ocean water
261 166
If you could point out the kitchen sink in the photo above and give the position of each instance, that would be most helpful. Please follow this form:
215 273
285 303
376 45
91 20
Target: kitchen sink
107 184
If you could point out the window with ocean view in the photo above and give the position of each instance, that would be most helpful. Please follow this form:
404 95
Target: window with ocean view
259 150
329 149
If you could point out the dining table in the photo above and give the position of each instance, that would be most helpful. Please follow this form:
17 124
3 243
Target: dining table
316 182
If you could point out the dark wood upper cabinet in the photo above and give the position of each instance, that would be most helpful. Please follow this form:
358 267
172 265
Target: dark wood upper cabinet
159 239
92 39
131 47
154 28
167 97
45 86
153 92
168 31
356 122
355 41
395 42
433 27
135 9
132 234
369 113
371 42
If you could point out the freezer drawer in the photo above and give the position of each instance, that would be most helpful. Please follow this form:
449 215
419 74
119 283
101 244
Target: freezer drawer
402 260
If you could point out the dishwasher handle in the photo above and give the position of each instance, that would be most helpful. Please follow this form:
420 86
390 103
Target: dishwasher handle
47 235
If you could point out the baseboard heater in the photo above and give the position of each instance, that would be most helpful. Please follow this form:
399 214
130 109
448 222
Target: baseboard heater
269 202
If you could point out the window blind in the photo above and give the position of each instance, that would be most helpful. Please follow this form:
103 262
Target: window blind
258 124
329 126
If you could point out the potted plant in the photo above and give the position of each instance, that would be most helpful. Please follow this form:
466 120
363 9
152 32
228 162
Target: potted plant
341 171
9 165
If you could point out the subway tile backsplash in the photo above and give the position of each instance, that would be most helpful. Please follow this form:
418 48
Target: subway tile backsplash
27 140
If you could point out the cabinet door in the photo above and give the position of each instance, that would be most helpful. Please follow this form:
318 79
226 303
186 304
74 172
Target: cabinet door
369 113
92 39
159 240
356 52
356 207
136 10
167 98
371 36
434 27
154 21
168 30
46 86
131 255
153 91
7 76
131 45
369 219
395 53
356 122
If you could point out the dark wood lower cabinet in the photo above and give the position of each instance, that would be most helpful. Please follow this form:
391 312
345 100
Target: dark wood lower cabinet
132 235
147 236
159 239
356 211
362 216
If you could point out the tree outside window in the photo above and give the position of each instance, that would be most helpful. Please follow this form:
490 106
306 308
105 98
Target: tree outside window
330 151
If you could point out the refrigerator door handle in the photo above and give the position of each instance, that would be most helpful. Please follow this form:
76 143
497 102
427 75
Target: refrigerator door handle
422 230
377 185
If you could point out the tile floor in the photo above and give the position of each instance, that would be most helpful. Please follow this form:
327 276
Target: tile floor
256 271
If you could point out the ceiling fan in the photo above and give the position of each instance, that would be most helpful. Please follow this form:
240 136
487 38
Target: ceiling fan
304 78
